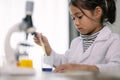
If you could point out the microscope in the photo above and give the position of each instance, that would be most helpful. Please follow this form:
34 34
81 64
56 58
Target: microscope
13 55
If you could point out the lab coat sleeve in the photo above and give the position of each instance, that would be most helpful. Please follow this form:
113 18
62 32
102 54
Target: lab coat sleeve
59 59
112 59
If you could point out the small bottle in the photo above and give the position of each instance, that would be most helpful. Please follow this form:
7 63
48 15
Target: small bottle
47 64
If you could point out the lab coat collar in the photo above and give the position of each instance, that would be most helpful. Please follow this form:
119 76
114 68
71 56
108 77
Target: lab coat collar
104 34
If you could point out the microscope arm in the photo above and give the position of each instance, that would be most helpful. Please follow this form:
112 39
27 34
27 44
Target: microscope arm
9 51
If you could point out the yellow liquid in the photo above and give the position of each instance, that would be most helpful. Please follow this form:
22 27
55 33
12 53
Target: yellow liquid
43 47
27 63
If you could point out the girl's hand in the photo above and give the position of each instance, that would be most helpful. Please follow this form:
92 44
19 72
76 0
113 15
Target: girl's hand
42 41
69 67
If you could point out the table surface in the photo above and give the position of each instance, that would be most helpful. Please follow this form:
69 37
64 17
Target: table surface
81 75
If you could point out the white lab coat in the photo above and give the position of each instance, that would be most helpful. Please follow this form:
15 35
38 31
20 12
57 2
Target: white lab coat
104 52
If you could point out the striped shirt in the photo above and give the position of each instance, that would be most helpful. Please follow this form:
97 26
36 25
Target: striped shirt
88 40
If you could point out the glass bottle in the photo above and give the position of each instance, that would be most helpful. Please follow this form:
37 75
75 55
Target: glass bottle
47 64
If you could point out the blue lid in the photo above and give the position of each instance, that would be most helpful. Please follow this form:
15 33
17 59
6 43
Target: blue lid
47 69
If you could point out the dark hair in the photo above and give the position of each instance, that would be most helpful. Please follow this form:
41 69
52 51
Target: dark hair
108 7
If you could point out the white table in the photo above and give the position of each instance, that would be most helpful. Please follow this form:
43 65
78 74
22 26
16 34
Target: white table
57 76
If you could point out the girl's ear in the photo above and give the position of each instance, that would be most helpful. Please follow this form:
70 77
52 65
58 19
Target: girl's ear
98 12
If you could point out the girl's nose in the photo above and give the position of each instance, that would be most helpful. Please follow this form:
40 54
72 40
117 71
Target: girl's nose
76 21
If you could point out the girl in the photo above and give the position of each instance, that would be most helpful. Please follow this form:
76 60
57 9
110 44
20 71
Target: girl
97 48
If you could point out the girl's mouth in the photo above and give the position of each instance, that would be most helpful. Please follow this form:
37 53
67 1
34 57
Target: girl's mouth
80 28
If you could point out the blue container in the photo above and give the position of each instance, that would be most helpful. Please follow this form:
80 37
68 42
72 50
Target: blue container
46 69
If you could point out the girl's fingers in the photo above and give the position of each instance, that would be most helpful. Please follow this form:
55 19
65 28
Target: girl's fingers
59 69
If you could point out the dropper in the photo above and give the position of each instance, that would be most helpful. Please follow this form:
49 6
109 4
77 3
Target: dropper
42 44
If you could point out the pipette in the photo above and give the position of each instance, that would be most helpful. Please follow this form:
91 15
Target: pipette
42 44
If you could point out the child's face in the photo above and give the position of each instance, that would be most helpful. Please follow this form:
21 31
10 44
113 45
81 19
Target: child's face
85 24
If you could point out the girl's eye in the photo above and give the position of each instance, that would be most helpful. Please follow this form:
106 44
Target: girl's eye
80 17
73 18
